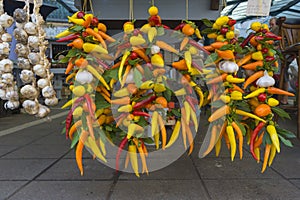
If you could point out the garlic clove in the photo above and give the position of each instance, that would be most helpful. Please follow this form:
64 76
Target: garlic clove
265 80
31 107
26 76
30 28
6 21
43 111
42 83
48 92
53 101
34 58
23 63
12 105
29 92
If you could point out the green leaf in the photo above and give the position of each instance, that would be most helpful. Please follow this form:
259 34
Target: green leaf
75 139
108 128
285 141
63 131
226 47
137 77
112 73
242 128
160 31
176 112
76 28
267 139
280 112
207 22
285 133
243 105
147 73
217 104
168 94
73 52
211 58
64 60
238 49
100 102
148 140
208 30
142 122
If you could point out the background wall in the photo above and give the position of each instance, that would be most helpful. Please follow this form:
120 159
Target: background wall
168 9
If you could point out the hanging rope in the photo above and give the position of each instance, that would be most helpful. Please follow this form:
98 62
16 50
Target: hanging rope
152 2
131 10
91 5
186 9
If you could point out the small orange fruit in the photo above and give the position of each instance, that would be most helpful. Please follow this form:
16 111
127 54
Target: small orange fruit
262 110
188 30
102 27
162 101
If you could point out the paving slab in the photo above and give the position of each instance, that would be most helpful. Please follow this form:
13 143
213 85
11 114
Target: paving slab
296 182
159 189
4 149
66 190
181 169
236 189
66 169
9 187
34 151
221 168
55 138
22 169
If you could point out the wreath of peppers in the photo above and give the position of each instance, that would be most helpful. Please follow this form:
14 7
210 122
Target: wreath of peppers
116 95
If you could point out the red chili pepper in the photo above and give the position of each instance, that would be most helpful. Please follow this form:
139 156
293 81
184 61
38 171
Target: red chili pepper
121 147
70 115
165 26
264 50
253 137
68 38
144 102
141 113
190 101
272 35
194 64
245 42
89 105
179 27
269 58
259 38
198 46
124 46
103 64
231 22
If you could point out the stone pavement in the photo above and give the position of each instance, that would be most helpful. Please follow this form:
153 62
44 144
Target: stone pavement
36 163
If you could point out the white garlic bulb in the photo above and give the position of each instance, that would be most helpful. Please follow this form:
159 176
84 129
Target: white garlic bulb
11 105
30 28
6 37
20 25
2 94
29 92
6 20
7 78
6 65
40 71
21 35
31 107
23 63
21 50
155 49
34 42
43 111
26 76
12 95
48 92
20 15
4 48
43 82
265 80
84 77
53 101
34 58
228 66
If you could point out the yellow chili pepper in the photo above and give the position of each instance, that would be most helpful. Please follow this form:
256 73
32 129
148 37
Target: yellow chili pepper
257 154
175 134
180 92
95 149
147 85
157 60
243 113
154 123
132 128
201 96
188 59
125 108
274 136
232 141
272 155
89 47
124 57
69 103
76 21
266 157
255 93
122 92
63 34
133 159
236 95
232 79
98 76
257 55
187 112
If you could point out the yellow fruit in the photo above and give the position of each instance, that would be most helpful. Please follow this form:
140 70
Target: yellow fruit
222 20
128 27
265 26
270 73
255 26
193 50
220 38
71 87
78 91
230 35
273 102
212 35
153 10
216 26
145 28
77 112
159 87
